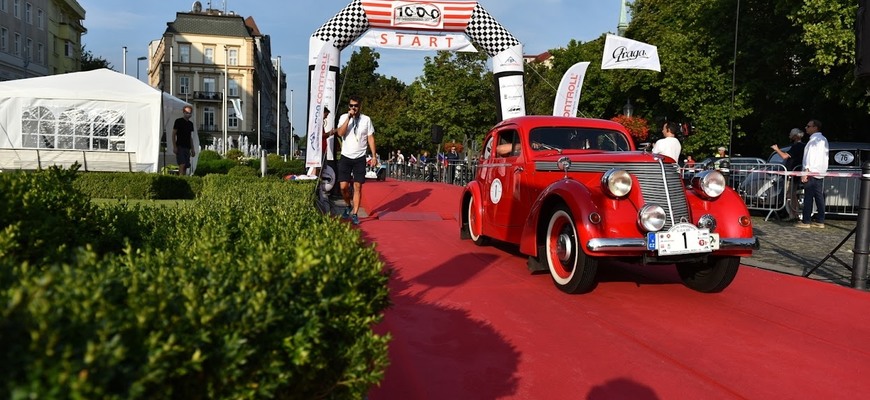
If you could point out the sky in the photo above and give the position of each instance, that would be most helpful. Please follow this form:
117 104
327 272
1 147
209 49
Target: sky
539 24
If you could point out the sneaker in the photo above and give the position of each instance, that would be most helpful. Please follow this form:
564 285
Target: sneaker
346 213
820 225
803 225
354 219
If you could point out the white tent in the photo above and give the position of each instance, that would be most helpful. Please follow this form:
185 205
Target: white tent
102 119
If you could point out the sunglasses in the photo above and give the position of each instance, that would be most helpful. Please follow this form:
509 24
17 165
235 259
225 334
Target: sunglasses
354 105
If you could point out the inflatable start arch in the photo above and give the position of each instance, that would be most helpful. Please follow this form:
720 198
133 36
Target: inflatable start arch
438 25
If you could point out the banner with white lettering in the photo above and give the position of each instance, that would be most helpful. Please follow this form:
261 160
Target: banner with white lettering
415 41
622 53
326 57
568 95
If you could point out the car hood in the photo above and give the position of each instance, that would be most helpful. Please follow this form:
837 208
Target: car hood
587 156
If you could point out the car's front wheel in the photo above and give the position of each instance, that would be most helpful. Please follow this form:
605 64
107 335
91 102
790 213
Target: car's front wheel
711 276
474 225
571 269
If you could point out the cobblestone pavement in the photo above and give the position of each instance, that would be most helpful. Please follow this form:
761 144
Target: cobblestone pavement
788 249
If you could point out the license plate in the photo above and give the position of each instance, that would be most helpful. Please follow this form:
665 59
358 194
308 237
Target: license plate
683 239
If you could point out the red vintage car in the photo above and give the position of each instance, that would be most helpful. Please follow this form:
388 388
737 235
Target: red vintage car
573 192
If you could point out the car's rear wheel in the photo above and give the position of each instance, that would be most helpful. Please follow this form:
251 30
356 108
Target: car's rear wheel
474 225
571 269
711 276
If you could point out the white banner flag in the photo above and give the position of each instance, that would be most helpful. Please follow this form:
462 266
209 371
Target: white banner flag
622 53
237 107
319 81
568 96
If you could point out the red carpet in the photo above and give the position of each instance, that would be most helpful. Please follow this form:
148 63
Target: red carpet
470 322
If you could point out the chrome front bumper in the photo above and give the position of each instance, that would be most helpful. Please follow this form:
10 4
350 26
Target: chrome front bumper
632 245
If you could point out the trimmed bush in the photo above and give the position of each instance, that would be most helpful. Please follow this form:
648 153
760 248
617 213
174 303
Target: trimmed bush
208 155
222 166
140 185
246 292
244 170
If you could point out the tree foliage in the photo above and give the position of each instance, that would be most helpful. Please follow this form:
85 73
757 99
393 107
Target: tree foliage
91 62
741 80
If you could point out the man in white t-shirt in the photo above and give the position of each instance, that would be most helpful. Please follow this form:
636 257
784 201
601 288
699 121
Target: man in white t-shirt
357 132
400 163
669 145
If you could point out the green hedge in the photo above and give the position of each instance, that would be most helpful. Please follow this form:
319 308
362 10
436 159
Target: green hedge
246 292
112 185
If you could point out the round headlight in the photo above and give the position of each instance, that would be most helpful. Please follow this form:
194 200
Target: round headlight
709 184
564 164
652 217
616 182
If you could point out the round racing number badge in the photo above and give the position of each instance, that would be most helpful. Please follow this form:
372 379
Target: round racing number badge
495 191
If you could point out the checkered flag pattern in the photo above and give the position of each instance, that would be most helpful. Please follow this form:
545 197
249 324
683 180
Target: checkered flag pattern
484 30
344 27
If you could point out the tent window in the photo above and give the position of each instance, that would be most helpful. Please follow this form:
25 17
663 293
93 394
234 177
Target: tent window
36 123
109 132
74 129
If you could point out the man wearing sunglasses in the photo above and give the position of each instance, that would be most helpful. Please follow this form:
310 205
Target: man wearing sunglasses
182 141
357 133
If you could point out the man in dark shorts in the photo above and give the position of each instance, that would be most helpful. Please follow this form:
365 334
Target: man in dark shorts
357 132
182 142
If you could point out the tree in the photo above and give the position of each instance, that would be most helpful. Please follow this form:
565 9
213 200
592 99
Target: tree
456 92
91 62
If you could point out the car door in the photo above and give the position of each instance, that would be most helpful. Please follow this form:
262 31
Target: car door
505 181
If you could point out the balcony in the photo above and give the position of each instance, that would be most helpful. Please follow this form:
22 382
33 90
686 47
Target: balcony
208 96
210 129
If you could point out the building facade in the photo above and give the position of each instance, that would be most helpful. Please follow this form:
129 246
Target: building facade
40 37
214 60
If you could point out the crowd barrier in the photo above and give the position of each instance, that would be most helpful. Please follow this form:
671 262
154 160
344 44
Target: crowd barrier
457 172
767 188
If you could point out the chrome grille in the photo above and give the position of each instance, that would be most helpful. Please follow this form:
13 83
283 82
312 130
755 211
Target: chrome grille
653 179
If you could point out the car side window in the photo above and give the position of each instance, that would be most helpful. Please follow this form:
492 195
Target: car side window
487 148
508 143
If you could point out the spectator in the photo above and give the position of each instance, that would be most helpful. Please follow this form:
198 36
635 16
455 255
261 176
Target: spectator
793 161
815 164
182 140
669 145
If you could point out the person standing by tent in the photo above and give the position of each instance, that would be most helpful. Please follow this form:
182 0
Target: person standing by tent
182 142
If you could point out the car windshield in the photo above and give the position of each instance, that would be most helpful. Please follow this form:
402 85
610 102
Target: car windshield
571 138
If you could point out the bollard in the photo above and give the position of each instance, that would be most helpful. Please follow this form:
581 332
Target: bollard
862 233
263 164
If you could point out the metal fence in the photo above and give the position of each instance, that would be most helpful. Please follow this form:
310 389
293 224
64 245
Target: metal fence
765 188
453 172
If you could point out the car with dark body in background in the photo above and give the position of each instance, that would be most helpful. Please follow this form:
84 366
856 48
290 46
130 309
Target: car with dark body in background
573 193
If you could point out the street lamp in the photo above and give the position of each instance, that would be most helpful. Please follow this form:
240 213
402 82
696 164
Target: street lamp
628 109
138 62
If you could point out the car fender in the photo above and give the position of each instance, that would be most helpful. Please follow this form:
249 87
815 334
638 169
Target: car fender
576 196
472 190
727 209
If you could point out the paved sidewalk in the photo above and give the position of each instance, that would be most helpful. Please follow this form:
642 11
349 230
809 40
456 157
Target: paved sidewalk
791 250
